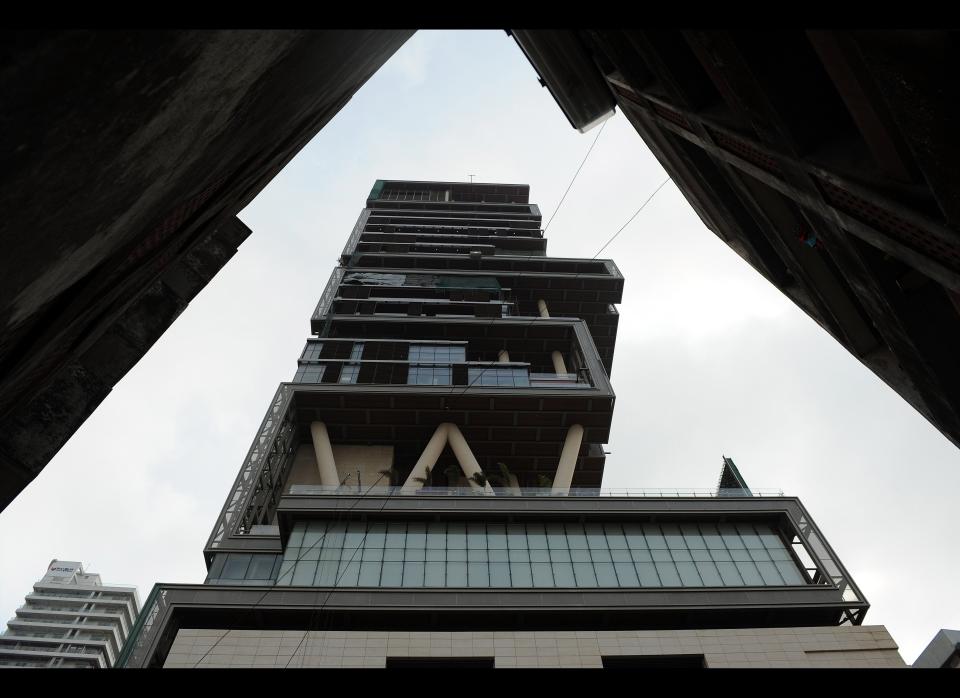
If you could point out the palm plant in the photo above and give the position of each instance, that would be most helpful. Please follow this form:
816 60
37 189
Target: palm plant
392 475
479 478
427 478
544 481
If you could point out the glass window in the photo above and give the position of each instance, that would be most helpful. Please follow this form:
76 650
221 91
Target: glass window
606 575
671 533
392 574
356 352
519 555
493 376
437 353
261 567
413 574
348 374
416 535
542 574
396 535
499 574
709 574
456 574
429 375
369 574
434 574
236 566
654 540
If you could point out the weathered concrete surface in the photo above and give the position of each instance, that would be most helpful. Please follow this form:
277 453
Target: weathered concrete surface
126 157
825 159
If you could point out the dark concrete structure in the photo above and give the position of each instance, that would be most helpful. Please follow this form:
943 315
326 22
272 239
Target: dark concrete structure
429 481
823 158
126 159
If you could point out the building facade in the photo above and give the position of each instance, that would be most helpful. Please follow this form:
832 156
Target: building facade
182 130
821 157
71 620
426 491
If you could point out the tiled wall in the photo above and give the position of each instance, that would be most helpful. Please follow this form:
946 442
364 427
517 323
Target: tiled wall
862 646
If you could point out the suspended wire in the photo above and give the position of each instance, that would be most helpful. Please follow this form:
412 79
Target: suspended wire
574 177
294 566
537 317
662 184
455 398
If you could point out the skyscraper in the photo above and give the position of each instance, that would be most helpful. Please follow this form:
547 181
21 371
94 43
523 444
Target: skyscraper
426 491
71 620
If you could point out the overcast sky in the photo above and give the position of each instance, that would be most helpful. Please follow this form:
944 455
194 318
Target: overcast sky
711 359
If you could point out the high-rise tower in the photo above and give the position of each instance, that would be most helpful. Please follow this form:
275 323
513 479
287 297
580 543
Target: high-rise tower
71 620
426 490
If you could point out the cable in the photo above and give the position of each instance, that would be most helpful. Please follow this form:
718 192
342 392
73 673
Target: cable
662 184
536 317
333 588
291 569
574 177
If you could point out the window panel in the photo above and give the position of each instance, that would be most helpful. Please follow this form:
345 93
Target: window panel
671 533
709 574
236 566
769 573
751 577
497 536
606 575
434 574
635 538
647 572
584 574
563 575
392 574
396 535
456 574
654 539
522 556
692 537
413 574
689 576
499 574
668 574
304 573
369 574
436 536
478 574
349 572
517 537
789 572
416 535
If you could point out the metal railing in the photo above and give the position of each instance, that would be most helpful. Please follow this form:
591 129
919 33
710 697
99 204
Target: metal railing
458 373
353 490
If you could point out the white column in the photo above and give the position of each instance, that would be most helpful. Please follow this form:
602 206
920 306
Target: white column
428 459
324 454
514 485
568 460
503 357
542 305
468 463
559 366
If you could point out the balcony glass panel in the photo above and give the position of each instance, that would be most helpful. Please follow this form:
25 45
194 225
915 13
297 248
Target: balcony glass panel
482 555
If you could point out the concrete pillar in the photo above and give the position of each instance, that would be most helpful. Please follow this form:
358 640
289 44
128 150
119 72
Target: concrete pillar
468 463
514 485
428 459
503 357
542 305
568 460
559 366
324 454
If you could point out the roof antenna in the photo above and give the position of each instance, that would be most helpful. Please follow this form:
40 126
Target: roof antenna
471 178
